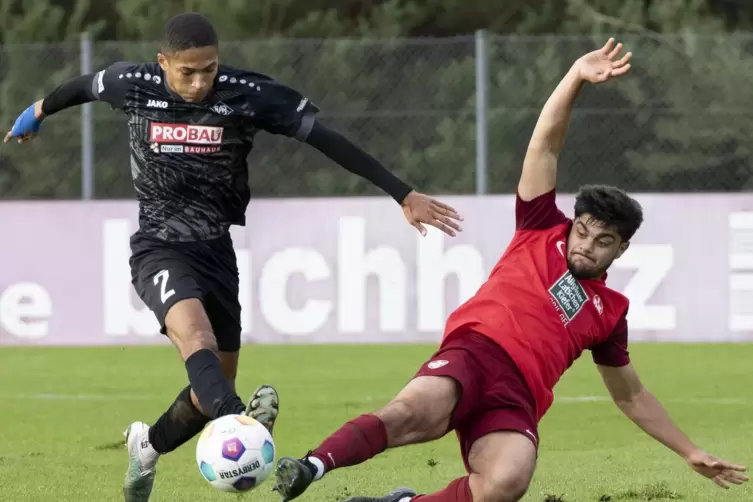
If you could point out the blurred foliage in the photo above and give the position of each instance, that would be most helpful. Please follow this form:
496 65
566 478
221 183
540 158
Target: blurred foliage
382 75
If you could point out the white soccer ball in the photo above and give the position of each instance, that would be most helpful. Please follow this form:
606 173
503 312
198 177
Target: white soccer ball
235 453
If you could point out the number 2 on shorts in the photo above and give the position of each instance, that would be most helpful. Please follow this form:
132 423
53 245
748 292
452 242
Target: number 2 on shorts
162 278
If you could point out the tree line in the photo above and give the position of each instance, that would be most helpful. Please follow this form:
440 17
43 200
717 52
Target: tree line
398 77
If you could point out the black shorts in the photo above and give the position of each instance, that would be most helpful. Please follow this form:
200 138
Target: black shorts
165 273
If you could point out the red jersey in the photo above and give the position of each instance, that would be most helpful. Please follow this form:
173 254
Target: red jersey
533 307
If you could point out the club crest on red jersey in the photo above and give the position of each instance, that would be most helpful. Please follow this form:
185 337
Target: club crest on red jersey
599 306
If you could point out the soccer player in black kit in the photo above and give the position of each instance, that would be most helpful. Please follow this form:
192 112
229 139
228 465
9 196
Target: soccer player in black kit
192 122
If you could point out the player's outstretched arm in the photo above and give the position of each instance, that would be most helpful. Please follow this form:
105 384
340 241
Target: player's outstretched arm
279 109
74 92
100 86
640 406
539 174
418 208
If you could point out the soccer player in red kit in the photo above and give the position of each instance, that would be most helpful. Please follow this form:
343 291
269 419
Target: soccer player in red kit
544 303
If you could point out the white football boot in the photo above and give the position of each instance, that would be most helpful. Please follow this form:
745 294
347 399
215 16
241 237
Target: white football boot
142 463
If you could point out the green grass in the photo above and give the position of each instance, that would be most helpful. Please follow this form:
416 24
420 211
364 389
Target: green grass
57 446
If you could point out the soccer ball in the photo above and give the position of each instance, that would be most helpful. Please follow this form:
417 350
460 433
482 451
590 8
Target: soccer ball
235 453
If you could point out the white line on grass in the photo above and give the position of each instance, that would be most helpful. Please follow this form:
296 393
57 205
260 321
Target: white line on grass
80 397
601 399
581 399
146 397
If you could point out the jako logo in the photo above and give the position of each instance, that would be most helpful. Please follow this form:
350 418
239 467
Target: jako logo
185 133
154 103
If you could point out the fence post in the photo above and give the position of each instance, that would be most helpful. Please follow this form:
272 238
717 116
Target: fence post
87 131
482 108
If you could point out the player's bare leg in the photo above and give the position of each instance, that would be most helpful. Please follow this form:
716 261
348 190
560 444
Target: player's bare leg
421 412
502 463
179 424
190 331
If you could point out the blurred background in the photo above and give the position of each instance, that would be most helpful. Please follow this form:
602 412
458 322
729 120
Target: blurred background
444 92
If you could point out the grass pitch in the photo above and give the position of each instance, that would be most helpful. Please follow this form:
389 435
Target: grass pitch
64 410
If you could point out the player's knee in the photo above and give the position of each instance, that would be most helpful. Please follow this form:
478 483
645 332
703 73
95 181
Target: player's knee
503 486
421 411
408 423
401 420
189 328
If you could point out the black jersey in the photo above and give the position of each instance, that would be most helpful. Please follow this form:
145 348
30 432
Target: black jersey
189 160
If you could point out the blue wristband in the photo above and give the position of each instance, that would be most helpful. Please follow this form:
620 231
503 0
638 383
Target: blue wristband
26 123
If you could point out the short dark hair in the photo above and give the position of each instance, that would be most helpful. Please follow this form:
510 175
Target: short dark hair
186 31
610 206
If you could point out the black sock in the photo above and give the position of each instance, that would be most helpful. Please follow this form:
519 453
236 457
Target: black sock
216 396
177 425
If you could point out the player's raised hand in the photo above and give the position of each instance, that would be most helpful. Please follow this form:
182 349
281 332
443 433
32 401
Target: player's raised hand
716 469
27 124
420 209
602 64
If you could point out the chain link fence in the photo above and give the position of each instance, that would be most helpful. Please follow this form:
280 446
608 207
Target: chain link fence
681 122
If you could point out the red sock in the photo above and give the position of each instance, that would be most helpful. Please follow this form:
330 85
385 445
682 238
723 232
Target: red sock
357 441
457 491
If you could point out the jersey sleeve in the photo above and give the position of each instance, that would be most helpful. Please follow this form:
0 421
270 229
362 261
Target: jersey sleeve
279 109
112 83
614 350
539 213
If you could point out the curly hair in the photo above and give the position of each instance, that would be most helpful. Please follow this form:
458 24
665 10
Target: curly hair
610 206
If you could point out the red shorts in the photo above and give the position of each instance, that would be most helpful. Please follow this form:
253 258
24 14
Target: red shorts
494 395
